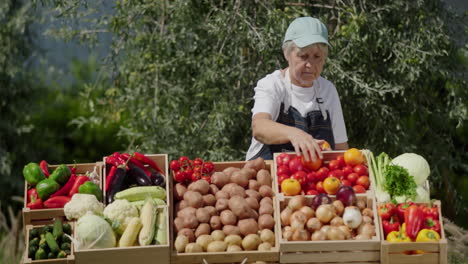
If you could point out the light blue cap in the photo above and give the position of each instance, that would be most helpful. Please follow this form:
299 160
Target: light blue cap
304 31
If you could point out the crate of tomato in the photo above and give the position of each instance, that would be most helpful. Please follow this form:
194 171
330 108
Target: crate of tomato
48 188
412 233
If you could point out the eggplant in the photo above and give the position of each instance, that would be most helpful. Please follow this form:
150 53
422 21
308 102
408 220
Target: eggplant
320 199
138 176
346 195
158 179
116 184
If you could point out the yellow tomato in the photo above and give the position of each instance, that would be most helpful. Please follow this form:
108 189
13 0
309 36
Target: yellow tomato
325 146
331 185
290 187
353 157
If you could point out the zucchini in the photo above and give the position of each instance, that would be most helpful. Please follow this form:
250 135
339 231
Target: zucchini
141 193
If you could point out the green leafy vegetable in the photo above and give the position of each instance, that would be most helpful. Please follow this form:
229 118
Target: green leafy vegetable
398 182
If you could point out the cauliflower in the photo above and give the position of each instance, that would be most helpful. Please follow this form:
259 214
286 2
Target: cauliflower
119 213
82 203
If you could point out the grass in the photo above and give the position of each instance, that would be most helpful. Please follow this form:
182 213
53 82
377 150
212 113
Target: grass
11 235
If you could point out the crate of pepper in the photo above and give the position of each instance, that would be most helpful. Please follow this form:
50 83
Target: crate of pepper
48 188
49 243
412 233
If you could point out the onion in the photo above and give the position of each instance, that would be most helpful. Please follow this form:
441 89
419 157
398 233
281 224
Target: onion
300 235
298 215
318 235
313 224
361 204
320 199
335 234
325 228
309 212
336 221
362 237
352 217
324 213
346 195
346 231
366 229
339 207
366 219
285 216
368 212
287 233
297 202
297 225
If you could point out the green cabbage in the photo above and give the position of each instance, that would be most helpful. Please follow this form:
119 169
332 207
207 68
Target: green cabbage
93 231
416 165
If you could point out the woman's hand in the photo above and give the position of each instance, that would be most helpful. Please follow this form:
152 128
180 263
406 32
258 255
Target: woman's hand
304 144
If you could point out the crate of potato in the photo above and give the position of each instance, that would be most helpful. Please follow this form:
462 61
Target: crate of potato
224 216
322 229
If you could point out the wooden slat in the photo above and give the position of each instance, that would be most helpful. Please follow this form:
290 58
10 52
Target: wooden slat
337 256
344 245
427 258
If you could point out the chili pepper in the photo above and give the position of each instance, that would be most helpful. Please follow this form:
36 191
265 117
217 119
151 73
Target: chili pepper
386 210
73 169
112 161
148 161
109 176
136 163
32 195
430 210
427 235
390 225
401 210
119 158
35 204
45 168
414 219
397 236
79 180
56 202
432 224
65 190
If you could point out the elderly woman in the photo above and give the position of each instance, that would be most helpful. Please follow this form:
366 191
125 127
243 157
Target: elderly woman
295 108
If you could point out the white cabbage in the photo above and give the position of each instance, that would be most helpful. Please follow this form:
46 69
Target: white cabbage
93 231
416 165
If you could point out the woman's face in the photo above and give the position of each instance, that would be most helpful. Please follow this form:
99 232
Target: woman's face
305 65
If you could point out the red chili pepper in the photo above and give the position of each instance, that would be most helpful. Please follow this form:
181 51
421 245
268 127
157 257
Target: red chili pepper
433 224
386 210
65 190
35 204
119 158
32 195
137 163
56 202
401 208
79 180
146 160
109 176
414 219
45 168
390 225
112 161
73 169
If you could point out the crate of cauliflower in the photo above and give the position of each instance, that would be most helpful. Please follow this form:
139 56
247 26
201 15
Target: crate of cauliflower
121 230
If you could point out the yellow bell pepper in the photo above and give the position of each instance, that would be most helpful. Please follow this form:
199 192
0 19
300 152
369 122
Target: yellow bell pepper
427 235
397 236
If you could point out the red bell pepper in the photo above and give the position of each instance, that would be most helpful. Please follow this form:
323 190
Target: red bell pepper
137 163
32 195
56 202
430 210
65 190
45 168
414 220
401 208
79 180
35 204
148 161
386 210
109 176
390 225
433 224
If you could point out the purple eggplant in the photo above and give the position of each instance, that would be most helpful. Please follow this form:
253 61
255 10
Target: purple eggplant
138 176
158 179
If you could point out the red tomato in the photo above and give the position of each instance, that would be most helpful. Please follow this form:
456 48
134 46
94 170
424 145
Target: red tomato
183 160
359 189
282 177
283 170
319 187
310 186
334 165
312 192
312 177
361 170
179 176
174 165
300 176
188 174
207 178
352 177
363 181
295 165
337 174
346 182
311 165
347 170
196 176
197 161
209 166
341 160
283 159
197 168
322 173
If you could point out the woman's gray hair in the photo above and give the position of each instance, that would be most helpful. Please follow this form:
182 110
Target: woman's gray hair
289 46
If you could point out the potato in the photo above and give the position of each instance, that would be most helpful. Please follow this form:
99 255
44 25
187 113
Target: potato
222 195
265 191
254 194
188 211
220 179
266 209
266 221
193 248
254 185
194 199
213 189
204 240
240 207
209 199
263 177
265 246
190 222
240 178
203 216
215 222
228 171
249 172
228 217
233 240
188 233
180 243
222 204
203 229
266 200
247 226
231 230
266 235
180 205
179 191
218 235
201 186
251 242
216 246
211 210
253 203
256 164
178 224
233 189
233 248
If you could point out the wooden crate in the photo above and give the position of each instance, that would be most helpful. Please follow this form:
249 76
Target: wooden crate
41 216
436 252
331 251
226 257
70 259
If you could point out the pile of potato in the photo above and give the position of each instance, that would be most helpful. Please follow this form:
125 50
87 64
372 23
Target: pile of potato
233 213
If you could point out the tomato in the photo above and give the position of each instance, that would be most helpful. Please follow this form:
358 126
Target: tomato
312 177
341 160
188 174
179 176
209 166
325 146
197 161
311 165
334 165
174 165
337 174
283 170
282 177
207 178
353 157
295 165
290 187
363 181
184 161
312 192
359 189
310 186
352 177
319 187
361 170
346 182
196 176
347 170
322 173
300 176
283 159
331 185
198 168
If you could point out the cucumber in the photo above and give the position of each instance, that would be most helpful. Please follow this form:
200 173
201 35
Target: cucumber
52 243
57 229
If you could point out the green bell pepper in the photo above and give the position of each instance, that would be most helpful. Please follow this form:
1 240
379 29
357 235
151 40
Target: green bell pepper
32 173
90 187
46 187
61 174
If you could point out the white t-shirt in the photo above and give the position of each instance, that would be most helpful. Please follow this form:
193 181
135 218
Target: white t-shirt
272 90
